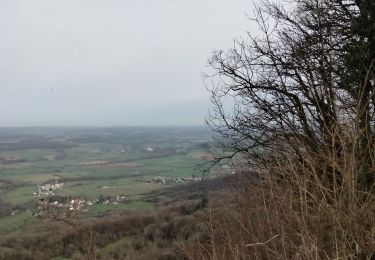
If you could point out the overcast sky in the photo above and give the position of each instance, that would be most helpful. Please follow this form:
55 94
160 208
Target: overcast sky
111 62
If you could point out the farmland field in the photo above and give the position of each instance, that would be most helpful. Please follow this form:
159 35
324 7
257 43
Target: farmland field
109 168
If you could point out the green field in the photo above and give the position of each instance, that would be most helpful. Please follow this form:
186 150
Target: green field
17 221
94 163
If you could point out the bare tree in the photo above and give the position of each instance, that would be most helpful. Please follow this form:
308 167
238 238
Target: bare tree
306 81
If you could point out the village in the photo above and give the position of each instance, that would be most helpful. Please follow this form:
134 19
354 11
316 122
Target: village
169 180
48 188
46 198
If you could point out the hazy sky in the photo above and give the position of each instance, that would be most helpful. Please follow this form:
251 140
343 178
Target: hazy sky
111 62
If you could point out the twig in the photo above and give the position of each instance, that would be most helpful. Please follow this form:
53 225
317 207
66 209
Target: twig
263 243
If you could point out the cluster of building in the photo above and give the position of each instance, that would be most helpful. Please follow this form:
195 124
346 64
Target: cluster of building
47 189
46 197
78 204
149 149
109 200
74 204
168 180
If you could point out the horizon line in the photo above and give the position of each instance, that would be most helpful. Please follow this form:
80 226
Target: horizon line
107 126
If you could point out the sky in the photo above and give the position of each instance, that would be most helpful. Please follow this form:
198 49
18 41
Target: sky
111 62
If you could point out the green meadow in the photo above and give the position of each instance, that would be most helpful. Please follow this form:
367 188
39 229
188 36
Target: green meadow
94 163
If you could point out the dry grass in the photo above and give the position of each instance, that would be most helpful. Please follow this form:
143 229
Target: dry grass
308 206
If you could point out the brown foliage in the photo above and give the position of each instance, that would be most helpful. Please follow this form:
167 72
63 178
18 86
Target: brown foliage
156 234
